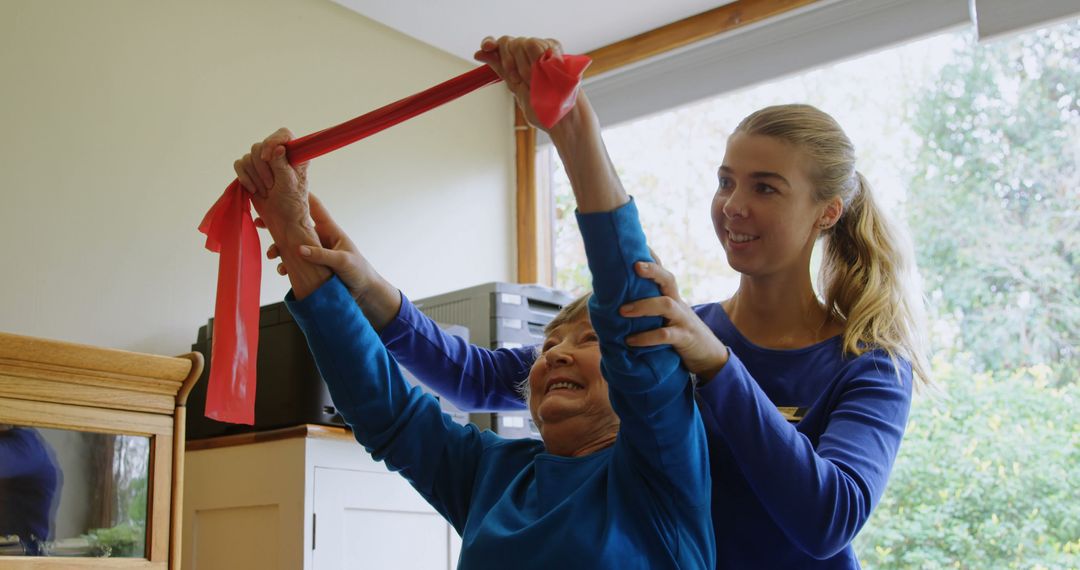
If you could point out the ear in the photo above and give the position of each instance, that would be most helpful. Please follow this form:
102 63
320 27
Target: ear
832 212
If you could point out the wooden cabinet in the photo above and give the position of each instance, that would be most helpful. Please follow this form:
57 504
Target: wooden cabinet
80 389
306 497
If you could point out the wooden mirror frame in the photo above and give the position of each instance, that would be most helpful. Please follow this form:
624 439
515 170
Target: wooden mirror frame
53 384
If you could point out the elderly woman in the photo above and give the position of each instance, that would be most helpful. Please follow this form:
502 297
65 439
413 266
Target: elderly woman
621 478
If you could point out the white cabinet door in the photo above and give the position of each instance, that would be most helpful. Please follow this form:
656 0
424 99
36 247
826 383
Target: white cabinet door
366 519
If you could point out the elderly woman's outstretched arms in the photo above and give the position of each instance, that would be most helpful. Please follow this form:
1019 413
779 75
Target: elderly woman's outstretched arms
394 421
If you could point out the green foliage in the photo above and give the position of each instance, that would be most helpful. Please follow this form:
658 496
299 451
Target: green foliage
574 273
136 503
122 540
993 203
986 477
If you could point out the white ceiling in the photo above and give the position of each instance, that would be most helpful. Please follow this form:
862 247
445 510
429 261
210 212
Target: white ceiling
457 26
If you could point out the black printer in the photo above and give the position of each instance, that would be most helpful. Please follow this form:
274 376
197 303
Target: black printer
289 389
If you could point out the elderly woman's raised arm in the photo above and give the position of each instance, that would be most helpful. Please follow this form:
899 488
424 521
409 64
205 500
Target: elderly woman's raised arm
661 434
614 242
650 389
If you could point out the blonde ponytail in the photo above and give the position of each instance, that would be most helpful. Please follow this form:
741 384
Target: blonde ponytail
868 278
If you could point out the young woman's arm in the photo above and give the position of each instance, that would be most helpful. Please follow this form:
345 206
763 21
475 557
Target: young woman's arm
820 493
470 377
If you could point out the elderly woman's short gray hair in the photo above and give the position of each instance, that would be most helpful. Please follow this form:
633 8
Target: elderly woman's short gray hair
571 312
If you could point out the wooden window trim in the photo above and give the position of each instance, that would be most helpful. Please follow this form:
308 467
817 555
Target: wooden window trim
528 245
530 248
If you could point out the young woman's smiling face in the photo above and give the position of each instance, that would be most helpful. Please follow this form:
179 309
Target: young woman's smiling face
764 210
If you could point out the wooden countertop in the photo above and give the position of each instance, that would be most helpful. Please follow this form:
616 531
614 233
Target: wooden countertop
306 430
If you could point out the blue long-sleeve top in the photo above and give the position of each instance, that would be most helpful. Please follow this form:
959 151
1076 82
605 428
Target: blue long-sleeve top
644 502
785 494
29 488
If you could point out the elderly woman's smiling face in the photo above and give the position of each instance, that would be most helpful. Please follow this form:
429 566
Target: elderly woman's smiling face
568 397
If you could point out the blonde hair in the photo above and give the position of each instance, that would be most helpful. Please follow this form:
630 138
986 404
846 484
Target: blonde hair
868 277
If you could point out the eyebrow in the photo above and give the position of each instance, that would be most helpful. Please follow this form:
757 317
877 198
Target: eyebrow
759 174
560 328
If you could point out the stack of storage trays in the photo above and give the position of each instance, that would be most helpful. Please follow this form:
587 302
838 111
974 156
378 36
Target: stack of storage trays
500 315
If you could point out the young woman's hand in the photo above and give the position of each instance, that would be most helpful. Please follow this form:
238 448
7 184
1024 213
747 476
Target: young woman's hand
378 298
701 352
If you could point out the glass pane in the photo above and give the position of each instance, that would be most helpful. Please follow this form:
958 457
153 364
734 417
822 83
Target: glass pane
72 493
668 161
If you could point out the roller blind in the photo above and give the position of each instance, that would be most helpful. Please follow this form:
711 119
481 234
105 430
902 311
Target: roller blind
808 37
995 18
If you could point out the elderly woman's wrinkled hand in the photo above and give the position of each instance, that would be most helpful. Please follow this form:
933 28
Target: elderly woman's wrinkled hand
279 189
512 59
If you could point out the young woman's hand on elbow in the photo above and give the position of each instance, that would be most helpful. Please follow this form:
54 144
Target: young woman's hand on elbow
378 298
700 350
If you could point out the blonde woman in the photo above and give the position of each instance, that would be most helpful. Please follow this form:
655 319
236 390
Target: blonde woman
804 398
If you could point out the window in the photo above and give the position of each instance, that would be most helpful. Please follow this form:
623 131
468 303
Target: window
976 148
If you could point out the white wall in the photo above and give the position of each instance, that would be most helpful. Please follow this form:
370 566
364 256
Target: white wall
121 120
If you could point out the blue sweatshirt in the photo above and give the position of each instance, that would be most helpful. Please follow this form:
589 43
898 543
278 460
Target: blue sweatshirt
29 488
786 494
644 502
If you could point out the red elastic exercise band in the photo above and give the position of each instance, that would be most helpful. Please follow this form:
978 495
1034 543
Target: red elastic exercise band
230 230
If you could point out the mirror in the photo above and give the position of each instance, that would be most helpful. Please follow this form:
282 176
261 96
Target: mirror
70 493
